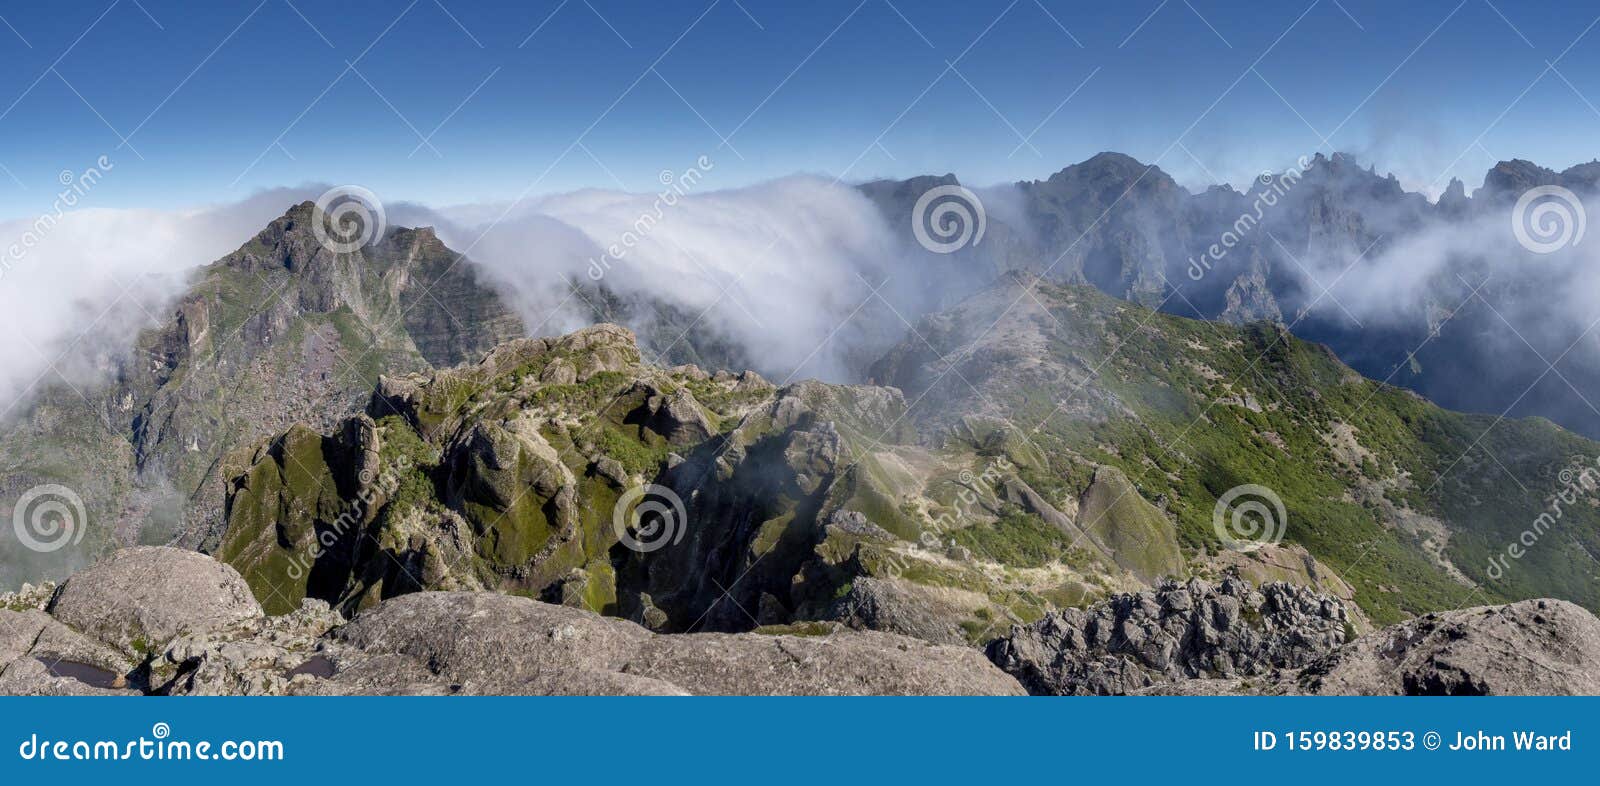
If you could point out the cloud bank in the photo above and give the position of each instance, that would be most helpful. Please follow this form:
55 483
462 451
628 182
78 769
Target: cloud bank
786 270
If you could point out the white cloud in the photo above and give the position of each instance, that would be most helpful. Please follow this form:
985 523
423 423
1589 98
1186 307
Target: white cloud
774 267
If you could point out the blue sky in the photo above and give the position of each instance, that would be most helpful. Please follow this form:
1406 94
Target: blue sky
218 99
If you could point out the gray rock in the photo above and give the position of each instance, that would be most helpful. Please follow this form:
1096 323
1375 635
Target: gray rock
487 643
41 657
265 656
1132 642
139 599
899 607
856 524
1533 647
35 677
1191 639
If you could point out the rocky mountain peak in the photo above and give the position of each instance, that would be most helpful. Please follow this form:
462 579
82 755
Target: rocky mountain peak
1508 179
1453 202
1110 170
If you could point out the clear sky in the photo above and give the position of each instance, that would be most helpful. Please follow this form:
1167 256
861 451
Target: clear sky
453 101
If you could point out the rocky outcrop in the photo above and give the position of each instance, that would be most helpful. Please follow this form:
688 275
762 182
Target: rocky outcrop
1288 563
513 474
1533 647
166 621
139 598
900 607
486 643
1283 639
1173 633
259 656
43 657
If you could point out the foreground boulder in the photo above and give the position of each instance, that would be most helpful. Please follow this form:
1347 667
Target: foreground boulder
1529 648
1176 632
487 643
140 598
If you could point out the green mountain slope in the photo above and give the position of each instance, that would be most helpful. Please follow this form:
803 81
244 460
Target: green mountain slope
1407 501
1076 448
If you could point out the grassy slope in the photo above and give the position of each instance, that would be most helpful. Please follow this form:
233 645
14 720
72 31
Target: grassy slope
1195 437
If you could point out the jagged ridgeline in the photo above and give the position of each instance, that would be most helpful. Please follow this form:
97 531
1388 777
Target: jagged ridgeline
1409 303
1075 449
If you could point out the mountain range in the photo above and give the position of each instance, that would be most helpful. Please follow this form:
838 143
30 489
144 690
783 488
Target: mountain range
1434 296
1052 423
